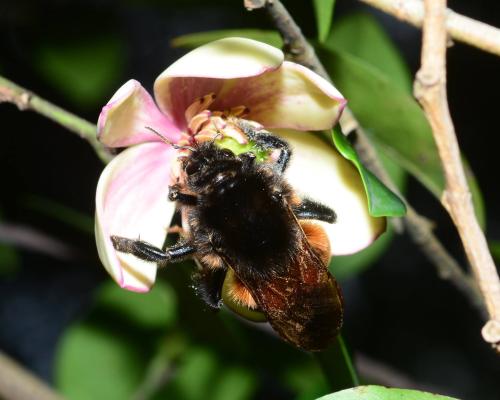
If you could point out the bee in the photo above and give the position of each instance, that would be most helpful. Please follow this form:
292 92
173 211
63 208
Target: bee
255 241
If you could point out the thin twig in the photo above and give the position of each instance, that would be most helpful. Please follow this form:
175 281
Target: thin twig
430 90
17 383
26 100
459 27
418 227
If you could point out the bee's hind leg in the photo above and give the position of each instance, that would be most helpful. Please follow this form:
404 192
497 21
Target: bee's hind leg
310 209
147 252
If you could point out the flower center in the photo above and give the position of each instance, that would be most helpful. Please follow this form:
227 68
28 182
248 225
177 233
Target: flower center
207 125
228 128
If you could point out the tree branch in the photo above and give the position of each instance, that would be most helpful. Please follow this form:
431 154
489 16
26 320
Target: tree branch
430 90
420 231
459 27
16 383
417 226
26 100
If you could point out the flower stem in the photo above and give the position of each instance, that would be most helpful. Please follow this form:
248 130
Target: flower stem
337 366
26 100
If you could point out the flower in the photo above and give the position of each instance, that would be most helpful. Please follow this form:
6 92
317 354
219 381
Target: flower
234 78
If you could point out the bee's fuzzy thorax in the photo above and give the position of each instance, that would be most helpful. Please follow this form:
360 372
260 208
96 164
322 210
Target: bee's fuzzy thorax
242 209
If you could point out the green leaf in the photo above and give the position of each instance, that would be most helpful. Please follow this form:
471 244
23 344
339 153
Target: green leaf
390 116
382 393
381 201
337 365
362 36
323 9
156 309
235 383
97 364
107 355
84 71
344 267
193 40
306 379
194 376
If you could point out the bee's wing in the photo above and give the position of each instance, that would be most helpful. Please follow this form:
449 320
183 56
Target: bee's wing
303 303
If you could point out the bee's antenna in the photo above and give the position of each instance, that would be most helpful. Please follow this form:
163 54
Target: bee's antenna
165 140
219 135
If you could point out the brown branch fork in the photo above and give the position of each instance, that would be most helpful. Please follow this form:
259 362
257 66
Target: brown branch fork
430 91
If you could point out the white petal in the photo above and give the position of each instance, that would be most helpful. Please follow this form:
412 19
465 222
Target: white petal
124 120
131 201
291 96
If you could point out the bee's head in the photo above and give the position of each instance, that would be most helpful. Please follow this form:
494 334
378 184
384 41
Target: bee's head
210 168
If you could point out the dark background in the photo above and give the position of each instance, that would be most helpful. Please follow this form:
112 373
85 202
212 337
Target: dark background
398 312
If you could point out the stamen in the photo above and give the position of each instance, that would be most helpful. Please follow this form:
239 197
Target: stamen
200 104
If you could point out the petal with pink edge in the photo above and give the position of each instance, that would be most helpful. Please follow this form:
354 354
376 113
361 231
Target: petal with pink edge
205 69
290 97
132 202
124 119
318 172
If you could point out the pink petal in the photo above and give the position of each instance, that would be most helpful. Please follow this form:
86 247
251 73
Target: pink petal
131 201
206 69
289 97
319 172
124 119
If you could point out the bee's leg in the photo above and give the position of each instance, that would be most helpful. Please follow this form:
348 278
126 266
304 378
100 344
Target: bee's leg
309 209
207 284
268 141
147 252
174 194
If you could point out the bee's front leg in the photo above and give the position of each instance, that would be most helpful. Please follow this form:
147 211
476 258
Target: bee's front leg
310 209
268 141
147 252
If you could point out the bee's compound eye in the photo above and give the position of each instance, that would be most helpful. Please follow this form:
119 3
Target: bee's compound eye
192 168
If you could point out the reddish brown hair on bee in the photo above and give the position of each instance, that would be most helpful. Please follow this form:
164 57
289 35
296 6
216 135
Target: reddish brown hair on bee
240 294
318 239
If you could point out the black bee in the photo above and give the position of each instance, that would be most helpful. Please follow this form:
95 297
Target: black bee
248 230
